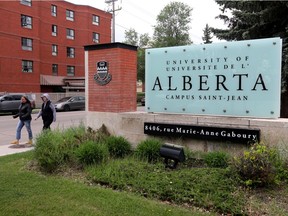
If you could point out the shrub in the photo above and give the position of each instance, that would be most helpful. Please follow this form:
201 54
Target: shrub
258 166
47 152
283 171
91 134
149 150
216 159
57 147
70 142
118 146
90 152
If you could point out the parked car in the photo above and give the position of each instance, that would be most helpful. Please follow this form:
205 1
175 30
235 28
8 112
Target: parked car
11 102
143 101
70 103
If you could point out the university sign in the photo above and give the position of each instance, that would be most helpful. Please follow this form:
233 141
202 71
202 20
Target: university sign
233 79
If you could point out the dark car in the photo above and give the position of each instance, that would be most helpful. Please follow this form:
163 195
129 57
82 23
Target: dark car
11 102
70 103
143 101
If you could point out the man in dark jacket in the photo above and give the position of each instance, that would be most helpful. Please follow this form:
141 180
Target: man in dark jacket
47 112
24 115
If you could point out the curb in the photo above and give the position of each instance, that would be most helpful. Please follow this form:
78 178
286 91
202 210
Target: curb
14 149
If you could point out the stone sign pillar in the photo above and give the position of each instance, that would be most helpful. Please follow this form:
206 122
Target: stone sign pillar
111 76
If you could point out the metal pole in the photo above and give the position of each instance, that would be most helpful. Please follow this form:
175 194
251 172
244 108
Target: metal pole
113 17
113 22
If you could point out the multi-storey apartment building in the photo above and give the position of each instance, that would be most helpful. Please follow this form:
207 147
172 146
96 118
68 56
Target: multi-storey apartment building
42 44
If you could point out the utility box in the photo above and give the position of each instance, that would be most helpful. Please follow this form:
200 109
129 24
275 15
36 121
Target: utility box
172 152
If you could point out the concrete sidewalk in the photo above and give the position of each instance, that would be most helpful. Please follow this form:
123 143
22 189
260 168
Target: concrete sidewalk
13 149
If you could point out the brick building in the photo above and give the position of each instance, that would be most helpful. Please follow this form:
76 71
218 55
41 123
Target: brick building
42 44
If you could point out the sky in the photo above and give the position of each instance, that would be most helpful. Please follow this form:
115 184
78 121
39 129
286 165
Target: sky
141 15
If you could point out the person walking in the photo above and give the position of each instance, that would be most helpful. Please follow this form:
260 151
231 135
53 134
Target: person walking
48 112
25 118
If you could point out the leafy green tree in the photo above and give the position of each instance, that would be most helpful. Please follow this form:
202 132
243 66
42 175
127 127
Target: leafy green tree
207 35
142 41
131 37
172 27
254 20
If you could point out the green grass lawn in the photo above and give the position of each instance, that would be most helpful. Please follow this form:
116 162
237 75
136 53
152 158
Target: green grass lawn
27 192
126 185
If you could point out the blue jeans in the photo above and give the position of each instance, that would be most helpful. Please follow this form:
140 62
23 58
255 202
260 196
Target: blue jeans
20 125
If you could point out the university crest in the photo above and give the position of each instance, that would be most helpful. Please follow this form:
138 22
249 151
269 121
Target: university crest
102 77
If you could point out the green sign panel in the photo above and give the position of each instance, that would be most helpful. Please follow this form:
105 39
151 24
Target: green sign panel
233 79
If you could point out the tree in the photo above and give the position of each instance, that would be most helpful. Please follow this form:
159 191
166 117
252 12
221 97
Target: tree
207 35
142 41
131 37
254 20
172 27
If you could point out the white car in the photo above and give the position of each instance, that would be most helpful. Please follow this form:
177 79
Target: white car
70 103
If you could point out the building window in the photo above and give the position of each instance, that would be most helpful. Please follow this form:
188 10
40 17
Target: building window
70 15
26 21
27 66
54 30
70 52
54 50
55 69
70 34
95 20
26 43
26 2
95 37
70 71
54 10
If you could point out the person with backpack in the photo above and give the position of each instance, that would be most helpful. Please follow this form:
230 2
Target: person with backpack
25 117
48 112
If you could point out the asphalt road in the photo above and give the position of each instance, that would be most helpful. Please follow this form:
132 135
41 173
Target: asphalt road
63 120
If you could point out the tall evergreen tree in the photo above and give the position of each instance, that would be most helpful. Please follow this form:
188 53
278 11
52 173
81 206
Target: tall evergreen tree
255 20
207 35
172 28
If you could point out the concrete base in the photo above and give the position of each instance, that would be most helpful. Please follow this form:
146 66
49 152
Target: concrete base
274 132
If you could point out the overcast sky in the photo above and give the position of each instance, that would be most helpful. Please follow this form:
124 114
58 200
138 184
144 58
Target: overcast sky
141 15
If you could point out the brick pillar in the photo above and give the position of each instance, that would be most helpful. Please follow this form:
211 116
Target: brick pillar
111 86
